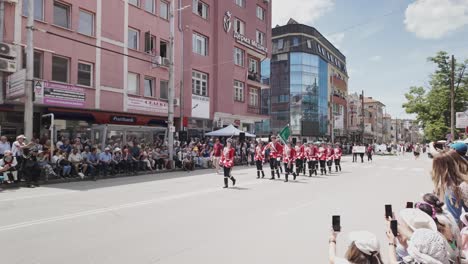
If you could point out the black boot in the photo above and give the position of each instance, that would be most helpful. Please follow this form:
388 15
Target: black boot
233 181
329 170
336 168
321 171
263 174
286 176
339 166
315 172
258 174
294 176
272 175
310 173
225 182
277 172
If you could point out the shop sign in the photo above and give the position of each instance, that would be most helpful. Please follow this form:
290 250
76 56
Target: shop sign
15 85
200 106
461 119
249 42
147 105
58 94
123 119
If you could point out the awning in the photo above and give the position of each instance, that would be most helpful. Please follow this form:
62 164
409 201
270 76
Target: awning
228 131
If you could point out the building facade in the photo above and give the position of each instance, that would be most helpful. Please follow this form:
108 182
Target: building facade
373 121
308 76
95 64
225 43
355 122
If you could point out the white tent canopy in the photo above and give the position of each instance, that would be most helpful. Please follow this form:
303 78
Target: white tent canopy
228 131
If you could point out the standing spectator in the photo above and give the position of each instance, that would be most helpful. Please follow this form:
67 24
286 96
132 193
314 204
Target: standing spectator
30 167
364 248
59 143
77 144
17 150
4 146
216 155
105 159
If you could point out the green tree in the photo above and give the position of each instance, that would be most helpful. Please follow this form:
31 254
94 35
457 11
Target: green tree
432 105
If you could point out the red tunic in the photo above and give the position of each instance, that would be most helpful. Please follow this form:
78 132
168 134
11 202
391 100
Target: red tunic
259 153
289 154
312 154
217 149
275 149
338 153
300 152
330 154
227 157
322 153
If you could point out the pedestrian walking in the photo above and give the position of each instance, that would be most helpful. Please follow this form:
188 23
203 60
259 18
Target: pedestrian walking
227 161
338 153
416 151
259 158
361 155
353 150
369 151
330 157
322 157
275 149
216 154
289 156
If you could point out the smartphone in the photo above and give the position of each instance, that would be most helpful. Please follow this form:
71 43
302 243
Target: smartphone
336 223
409 205
388 211
394 227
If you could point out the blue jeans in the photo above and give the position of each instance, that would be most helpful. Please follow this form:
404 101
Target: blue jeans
66 170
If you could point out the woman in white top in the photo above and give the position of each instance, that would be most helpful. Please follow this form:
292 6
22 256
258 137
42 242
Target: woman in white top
364 248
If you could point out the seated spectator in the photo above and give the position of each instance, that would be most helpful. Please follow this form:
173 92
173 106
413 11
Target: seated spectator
93 163
144 159
8 165
66 147
105 162
43 162
364 248
187 161
130 164
79 167
65 164
117 163
159 162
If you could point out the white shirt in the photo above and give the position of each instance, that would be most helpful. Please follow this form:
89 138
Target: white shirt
75 158
4 147
16 148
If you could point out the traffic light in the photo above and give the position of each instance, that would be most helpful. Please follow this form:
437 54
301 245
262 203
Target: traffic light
46 121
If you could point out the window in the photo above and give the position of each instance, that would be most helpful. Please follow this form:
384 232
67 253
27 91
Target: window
260 38
163 49
239 26
295 42
199 83
133 38
240 3
61 15
60 69
150 43
260 13
38 62
309 44
238 91
86 23
200 8
239 57
38 9
280 43
150 6
149 87
253 65
85 74
164 10
134 2
133 83
163 89
200 44
253 96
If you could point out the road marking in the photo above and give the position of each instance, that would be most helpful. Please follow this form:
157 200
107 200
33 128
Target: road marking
118 207
35 196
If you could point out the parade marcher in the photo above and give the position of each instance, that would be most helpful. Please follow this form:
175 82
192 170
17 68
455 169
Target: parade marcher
369 151
216 155
275 149
227 161
330 157
289 155
322 157
311 155
259 159
338 153
279 159
299 149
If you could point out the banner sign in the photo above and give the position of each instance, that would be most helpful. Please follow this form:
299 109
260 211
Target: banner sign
147 105
15 85
122 119
58 94
359 149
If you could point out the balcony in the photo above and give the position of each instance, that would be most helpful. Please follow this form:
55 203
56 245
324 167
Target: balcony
254 76
253 109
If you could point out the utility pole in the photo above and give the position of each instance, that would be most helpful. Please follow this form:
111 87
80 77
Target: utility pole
452 100
171 92
332 118
28 86
2 26
363 116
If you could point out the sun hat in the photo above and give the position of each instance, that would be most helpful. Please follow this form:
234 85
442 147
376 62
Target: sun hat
427 246
365 241
117 150
20 136
107 149
417 219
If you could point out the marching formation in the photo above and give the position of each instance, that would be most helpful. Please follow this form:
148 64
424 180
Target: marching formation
301 158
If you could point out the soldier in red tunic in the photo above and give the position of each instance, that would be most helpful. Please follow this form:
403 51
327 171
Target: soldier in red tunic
310 155
322 157
299 158
338 153
330 157
259 159
289 156
227 161
275 152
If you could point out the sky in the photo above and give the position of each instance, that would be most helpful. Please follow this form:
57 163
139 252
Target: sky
386 42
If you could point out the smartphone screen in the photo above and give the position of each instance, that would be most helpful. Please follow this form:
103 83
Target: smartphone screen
336 223
394 227
409 205
388 211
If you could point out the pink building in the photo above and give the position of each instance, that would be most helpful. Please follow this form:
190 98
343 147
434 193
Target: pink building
224 45
93 64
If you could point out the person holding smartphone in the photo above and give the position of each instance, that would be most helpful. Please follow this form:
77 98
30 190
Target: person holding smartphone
364 248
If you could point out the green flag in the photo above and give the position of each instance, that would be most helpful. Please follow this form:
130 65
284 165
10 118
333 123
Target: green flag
285 133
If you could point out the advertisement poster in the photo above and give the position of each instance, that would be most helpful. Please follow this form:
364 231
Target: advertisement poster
66 95
147 105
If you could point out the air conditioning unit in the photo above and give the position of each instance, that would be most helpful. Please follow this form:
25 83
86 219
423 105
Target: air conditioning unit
165 62
156 61
177 102
7 50
7 65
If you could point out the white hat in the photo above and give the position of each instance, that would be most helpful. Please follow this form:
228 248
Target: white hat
20 136
117 150
417 219
427 246
107 149
365 241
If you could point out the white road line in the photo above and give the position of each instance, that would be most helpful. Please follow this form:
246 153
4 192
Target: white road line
118 207
35 196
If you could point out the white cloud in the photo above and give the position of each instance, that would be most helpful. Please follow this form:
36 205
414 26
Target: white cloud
336 39
375 58
303 11
433 19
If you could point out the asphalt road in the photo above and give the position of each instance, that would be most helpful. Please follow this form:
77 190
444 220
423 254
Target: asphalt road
188 218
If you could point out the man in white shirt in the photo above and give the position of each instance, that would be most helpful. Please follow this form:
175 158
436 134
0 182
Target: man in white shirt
4 146
77 160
